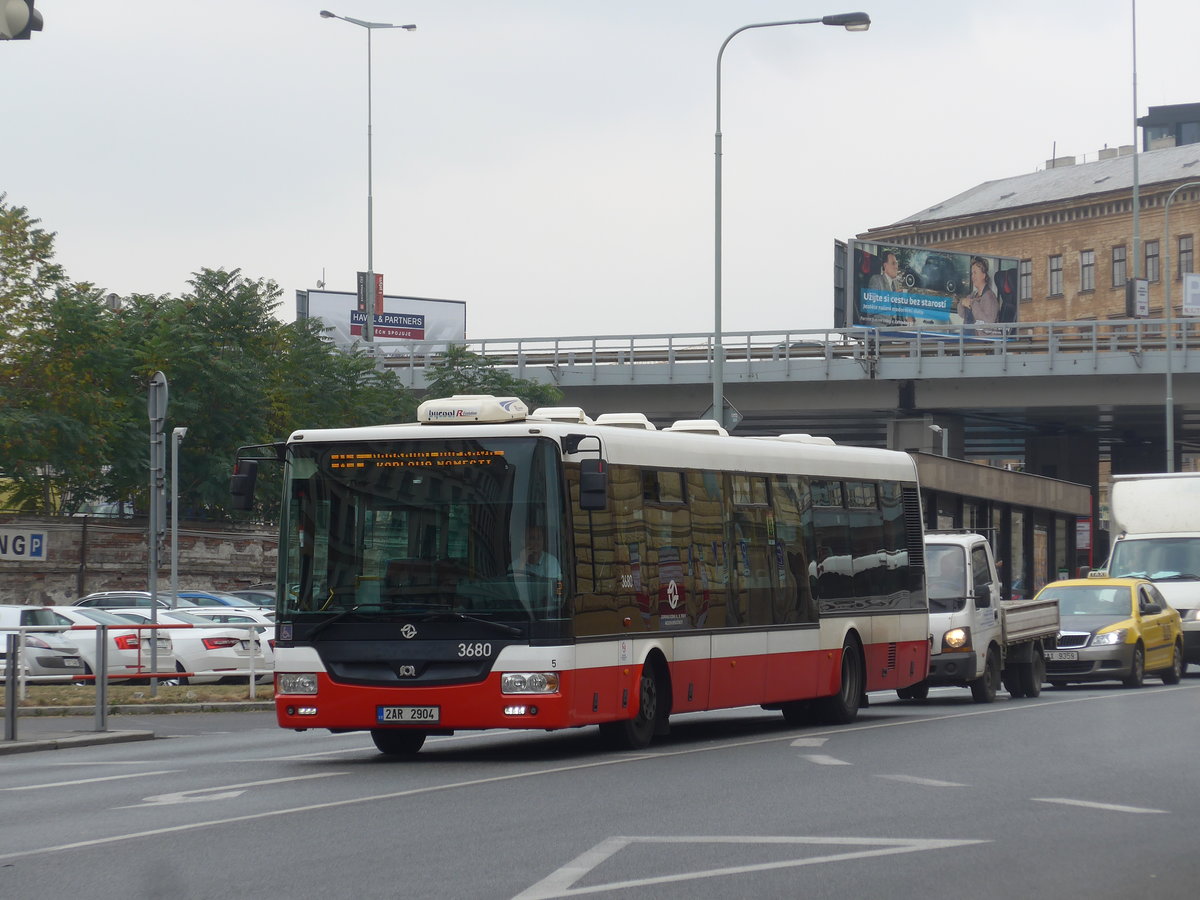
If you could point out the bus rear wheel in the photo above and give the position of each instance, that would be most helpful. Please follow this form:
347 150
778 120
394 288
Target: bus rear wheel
842 707
397 742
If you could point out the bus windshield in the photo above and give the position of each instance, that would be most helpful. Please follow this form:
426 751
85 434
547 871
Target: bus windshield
455 528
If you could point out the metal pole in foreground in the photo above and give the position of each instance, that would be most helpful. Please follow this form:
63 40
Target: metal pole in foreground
177 435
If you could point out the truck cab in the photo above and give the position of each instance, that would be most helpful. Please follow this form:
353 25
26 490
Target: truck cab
964 607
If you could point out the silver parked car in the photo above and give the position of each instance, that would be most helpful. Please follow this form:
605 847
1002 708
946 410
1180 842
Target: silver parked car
47 653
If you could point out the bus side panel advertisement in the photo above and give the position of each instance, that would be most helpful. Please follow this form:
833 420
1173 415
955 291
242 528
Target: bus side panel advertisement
899 287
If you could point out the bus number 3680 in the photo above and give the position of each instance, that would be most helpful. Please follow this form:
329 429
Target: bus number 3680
476 649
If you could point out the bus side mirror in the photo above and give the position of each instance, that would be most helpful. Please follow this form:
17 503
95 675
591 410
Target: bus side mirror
593 484
241 484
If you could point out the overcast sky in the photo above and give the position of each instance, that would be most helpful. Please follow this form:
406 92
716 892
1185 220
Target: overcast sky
550 162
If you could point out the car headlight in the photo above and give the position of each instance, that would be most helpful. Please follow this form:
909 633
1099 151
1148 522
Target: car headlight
1191 615
529 682
295 682
1110 637
957 639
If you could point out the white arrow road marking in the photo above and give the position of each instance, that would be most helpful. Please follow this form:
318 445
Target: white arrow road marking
225 792
1114 807
809 742
822 760
34 787
560 883
929 782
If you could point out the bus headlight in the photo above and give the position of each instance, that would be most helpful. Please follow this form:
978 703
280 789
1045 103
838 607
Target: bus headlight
529 682
295 682
957 639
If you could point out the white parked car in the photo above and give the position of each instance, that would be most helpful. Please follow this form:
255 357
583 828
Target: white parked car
205 655
129 649
47 653
264 627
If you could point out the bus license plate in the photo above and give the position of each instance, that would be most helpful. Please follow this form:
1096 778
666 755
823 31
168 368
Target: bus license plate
1062 655
427 714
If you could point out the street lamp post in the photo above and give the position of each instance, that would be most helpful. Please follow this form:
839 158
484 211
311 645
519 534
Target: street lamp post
1167 277
369 320
856 21
177 435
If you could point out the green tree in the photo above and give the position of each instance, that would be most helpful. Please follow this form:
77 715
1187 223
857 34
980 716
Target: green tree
460 371
61 410
28 273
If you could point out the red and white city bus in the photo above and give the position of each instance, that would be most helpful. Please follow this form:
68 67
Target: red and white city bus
686 570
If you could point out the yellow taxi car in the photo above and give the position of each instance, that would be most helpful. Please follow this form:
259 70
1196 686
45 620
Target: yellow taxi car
1113 629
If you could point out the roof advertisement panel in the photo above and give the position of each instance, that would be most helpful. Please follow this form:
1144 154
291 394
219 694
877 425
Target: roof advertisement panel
411 320
918 287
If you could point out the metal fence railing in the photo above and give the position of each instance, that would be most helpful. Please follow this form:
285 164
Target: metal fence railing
15 673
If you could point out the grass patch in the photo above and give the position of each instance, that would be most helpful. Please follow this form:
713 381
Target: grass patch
133 695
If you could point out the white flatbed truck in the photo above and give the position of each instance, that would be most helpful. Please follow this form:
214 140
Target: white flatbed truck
978 640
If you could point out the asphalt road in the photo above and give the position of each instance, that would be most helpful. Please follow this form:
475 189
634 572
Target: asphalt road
1084 792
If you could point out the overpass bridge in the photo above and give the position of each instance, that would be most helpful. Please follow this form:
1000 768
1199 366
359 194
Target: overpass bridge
1054 394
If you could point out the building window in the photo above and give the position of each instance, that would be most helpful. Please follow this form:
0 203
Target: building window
1056 282
1186 258
1025 280
1087 270
1151 270
1118 266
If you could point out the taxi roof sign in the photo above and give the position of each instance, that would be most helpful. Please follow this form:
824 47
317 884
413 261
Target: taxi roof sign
464 409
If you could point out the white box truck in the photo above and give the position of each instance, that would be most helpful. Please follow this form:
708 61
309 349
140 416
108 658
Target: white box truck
978 640
1155 523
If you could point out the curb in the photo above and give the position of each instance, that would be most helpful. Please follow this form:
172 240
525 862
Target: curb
67 742
144 709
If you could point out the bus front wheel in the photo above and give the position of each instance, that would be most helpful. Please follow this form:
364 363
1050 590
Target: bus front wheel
397 742
638 732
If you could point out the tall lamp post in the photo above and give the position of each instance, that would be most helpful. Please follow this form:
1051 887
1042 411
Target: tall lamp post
856 21
1167 278
177 435
369 321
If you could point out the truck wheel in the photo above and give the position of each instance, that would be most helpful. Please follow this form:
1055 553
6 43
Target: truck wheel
1137 669
983 688
1174 674
1033 673
842 707
1011 678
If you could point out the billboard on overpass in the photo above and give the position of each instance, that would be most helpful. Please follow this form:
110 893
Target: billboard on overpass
892 286
413 320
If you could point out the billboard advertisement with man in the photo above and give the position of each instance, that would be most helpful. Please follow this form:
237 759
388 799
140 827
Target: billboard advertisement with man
413 320
918 287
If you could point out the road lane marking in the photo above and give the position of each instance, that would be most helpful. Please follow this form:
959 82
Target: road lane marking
928 782
1112 807
53 784
991 709
809 742
224 792
560 883
822 759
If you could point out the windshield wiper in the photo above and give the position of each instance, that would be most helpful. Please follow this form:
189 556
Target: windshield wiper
1178 576
463 617
325 623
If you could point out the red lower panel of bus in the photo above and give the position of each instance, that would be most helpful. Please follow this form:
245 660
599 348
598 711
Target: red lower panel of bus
591 696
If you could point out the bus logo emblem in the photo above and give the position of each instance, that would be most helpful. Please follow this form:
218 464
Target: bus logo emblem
409 631
407 671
